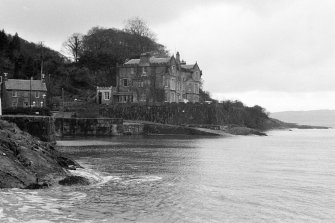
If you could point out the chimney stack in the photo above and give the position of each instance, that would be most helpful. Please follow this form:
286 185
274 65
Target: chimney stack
5 77
145 59
178 57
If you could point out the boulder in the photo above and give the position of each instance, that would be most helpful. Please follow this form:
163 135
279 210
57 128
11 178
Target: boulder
27 162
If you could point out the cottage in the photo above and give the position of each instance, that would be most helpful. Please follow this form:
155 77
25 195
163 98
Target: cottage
23 93
105 95
153 79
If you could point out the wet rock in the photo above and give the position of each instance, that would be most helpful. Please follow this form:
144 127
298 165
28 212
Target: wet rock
27 162
74 180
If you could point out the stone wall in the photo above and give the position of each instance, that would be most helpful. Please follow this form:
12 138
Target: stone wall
88 127
41 127
188 113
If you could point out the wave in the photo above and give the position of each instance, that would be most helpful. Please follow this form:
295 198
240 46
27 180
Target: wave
94 177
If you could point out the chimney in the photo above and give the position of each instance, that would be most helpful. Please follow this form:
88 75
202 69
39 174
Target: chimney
178 57
43 78
5 77
145 59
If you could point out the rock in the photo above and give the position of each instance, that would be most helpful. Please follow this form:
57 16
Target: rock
244 131
74 180
27 162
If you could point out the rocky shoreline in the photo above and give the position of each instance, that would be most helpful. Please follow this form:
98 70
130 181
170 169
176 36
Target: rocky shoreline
28 163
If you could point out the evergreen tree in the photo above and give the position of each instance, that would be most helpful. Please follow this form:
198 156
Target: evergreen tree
3 41
28 68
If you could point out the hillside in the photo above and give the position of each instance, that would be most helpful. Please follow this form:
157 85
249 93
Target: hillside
314 117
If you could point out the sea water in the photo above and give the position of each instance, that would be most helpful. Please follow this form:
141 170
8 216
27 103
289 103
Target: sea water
288 176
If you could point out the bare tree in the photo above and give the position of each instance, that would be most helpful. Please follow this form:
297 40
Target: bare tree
138 26
73 46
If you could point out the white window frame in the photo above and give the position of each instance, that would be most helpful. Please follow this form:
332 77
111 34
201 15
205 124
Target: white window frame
106 95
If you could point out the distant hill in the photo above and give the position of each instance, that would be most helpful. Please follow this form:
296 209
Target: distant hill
314 117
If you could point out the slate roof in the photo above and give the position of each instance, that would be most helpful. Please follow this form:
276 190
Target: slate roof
153 60
24 85
187 66
133 61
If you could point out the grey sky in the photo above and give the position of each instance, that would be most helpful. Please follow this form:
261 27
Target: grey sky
276 53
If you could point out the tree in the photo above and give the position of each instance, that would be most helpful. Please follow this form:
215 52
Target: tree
73 46
139 27
143 36
14 47
3 40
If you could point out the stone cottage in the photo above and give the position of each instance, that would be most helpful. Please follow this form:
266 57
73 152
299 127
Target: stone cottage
23 93
105 95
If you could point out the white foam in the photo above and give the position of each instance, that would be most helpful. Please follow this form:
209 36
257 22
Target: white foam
143 179
94 177
2 215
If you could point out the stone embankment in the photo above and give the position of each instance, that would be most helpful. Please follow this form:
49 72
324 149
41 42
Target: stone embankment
151 128
27 162
41 127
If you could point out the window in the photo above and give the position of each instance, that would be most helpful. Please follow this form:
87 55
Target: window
106 96
14 93
196 86
143 97
173 69
190 88
166 82
125 82
37 94
132 70
144 70
173 97
173 84
25 102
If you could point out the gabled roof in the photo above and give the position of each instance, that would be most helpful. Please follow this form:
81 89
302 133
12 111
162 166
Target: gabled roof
24 85
153 60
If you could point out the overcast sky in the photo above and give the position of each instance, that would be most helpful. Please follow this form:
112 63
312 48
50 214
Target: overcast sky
279 54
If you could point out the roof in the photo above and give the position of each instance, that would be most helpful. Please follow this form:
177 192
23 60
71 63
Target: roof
187 66
24 85
133 61
153 60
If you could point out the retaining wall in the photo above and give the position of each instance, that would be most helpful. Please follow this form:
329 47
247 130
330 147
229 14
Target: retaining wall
88 127
41 127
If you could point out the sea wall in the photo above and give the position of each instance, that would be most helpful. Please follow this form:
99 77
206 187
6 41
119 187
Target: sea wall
41 127
188 113
88 127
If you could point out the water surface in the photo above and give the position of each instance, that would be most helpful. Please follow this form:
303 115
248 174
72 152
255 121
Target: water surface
288 176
